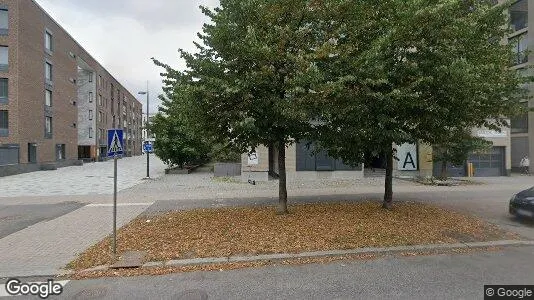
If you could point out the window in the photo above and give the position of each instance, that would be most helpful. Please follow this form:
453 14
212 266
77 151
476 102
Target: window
307 160
90 77
100 100
99 81
4 90
4 21
90 132
48 98
48 41
48 71
90 114
48 126
4 58
90 97
519 124
4 123
519 15
100 116
519 48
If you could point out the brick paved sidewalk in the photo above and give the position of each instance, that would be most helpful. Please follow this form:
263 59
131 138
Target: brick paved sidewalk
45 248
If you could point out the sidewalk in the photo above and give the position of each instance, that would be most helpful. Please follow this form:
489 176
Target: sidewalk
89 179
45 248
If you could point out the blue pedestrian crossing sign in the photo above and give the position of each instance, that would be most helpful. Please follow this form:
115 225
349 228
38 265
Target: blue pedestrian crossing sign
115 142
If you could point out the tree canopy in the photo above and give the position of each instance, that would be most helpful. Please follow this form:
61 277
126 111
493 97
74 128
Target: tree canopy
354 76
409 71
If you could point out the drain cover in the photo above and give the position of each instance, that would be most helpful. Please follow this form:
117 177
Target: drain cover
193 295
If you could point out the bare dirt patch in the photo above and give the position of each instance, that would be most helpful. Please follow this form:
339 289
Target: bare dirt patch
230 231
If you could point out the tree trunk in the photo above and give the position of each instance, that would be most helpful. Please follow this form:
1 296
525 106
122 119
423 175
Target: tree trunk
444 170
388 188
282 189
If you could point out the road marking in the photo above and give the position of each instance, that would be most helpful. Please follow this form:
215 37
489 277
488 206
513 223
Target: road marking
4 293
119 204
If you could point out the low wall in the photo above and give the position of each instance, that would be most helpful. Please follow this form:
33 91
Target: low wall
27 168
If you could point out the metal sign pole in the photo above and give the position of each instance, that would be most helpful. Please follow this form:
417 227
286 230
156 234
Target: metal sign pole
115 204
115 148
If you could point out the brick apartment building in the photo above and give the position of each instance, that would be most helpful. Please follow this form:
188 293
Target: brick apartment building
56 100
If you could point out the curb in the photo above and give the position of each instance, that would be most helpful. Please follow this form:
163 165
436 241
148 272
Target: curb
43 274
316 254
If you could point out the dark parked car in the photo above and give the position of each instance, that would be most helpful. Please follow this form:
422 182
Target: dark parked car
522 204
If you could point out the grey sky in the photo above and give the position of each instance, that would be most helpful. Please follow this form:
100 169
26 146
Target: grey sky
124 34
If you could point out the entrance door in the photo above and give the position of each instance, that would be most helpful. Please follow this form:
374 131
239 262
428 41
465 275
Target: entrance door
32 152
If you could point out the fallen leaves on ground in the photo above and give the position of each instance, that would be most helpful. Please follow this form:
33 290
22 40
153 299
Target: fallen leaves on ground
242 231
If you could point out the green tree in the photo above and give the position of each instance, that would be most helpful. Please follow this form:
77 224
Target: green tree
175 144
408 71
251 59
180 140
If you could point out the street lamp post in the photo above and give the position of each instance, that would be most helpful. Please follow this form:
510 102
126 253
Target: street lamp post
147 129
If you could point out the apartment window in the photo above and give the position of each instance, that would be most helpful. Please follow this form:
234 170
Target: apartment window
90 77
48 71
48 126
4 58
48 98
90 132
99 81
4 21
48 41
90 97
4 123
4 90
519 48
519 15
100 100
100 116
90 114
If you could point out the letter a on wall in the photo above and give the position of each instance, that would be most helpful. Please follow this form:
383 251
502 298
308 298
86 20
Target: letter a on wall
407 155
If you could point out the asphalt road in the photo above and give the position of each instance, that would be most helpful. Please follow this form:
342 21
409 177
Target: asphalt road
17 217
457 276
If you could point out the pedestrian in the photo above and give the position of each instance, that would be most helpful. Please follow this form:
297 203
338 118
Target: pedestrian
525 165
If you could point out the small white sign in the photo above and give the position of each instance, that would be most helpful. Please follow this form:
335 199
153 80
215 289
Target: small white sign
407 155
253 158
